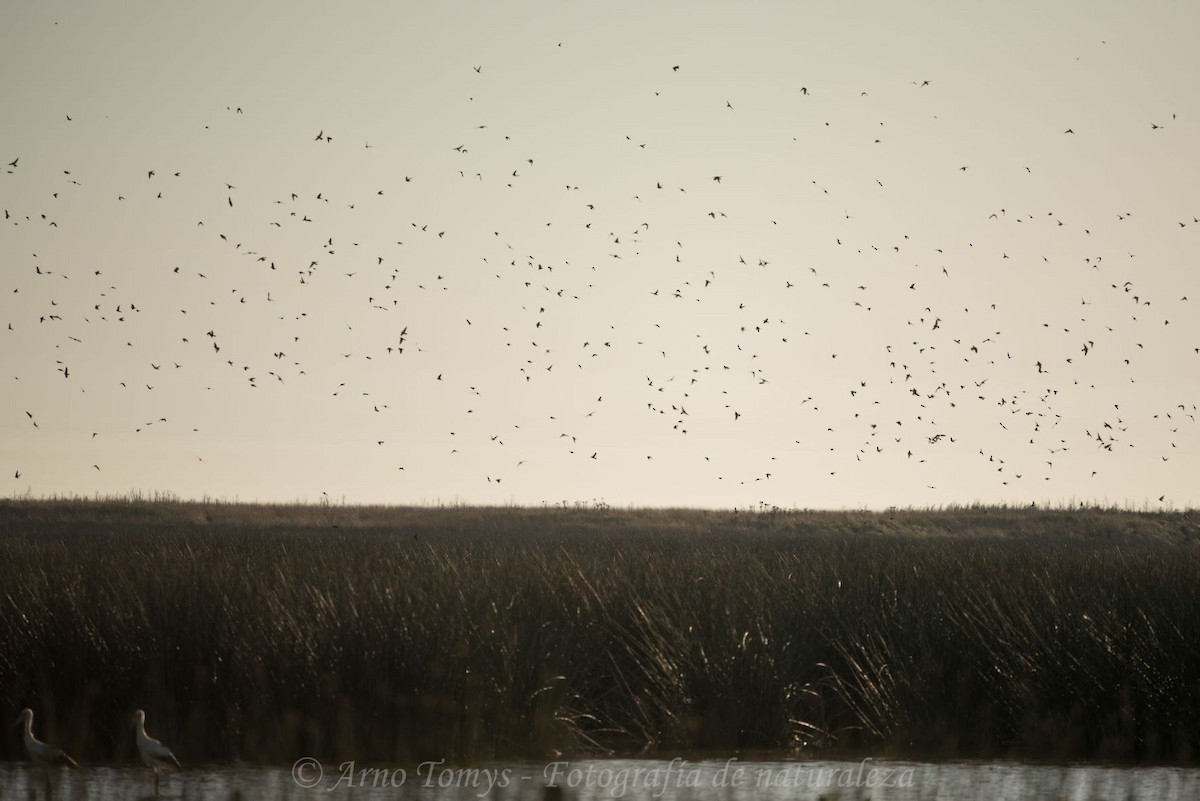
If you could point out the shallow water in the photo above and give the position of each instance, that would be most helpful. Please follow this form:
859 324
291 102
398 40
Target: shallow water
593 780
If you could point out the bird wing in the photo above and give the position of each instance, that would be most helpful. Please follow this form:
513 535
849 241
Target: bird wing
157 751
48 754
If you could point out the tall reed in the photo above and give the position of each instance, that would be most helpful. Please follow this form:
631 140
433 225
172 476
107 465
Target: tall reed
265 633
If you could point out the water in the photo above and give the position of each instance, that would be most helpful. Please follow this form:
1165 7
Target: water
594 780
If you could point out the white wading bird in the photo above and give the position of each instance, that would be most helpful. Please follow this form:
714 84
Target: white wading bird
41 754
153 753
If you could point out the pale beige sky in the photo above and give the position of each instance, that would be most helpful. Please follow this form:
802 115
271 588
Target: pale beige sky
847 311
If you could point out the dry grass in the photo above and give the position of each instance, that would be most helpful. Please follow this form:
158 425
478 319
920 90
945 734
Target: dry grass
264 632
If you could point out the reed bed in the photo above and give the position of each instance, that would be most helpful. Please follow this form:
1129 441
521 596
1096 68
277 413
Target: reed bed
263 633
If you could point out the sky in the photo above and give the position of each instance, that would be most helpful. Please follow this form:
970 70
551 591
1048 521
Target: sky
838 255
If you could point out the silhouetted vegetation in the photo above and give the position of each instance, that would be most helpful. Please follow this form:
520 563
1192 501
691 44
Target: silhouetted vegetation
269 632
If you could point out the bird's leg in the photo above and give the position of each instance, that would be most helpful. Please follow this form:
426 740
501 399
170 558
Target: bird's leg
156 781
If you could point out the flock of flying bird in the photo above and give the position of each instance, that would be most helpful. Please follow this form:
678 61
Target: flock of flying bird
690 338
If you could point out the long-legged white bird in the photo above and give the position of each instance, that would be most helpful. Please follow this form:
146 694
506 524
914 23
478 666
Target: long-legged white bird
156 755
41 754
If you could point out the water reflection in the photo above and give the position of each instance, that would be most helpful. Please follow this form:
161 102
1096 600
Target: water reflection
597 780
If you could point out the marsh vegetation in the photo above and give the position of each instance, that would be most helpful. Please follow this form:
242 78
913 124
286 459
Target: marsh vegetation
396 634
